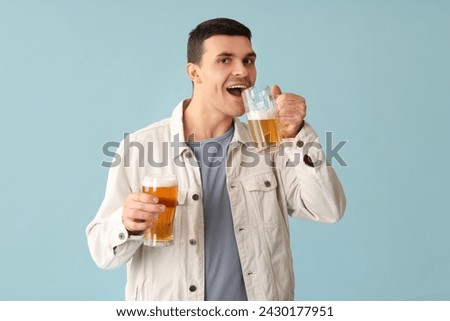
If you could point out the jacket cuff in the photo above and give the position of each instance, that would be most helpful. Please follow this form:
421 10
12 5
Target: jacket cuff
305 148
119 233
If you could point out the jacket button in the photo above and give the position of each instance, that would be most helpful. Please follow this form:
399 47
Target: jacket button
188 154
195 197
192 242
121 236
300 144
192 288
267 183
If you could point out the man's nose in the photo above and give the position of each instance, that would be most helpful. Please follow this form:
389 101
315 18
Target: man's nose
240 70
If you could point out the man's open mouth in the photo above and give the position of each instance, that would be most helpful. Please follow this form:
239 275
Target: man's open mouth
236 90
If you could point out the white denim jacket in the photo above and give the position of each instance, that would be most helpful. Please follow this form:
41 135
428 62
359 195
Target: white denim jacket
263 191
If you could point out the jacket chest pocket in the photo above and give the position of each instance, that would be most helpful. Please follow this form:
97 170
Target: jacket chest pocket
261 190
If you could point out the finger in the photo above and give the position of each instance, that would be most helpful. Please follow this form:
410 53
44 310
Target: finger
156 208
139 215
291 106
135 226
139 224
290 120
144 197
292 112
276 91
283 101
297 115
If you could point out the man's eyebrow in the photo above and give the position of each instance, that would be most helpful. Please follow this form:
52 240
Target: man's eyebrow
229 54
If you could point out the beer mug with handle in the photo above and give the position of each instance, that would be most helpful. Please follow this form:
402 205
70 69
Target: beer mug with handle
262 116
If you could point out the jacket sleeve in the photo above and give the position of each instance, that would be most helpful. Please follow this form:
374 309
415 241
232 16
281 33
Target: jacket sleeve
108 240
312 188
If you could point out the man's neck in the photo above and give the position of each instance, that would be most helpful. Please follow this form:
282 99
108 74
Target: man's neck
201 123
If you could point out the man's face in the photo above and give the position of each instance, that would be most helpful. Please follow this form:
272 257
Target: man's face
227 67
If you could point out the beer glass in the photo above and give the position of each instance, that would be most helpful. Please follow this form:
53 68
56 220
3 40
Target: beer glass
165 187
262 116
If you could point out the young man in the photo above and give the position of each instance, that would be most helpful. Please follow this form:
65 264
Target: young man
231 224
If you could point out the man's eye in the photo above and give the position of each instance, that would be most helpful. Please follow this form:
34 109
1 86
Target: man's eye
224 60
249 61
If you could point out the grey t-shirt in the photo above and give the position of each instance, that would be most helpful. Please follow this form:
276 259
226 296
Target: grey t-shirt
223 272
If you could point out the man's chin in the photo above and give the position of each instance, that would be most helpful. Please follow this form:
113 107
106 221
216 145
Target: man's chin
239 111
238 114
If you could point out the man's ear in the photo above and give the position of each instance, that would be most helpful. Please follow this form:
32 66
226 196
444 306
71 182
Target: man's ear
192 72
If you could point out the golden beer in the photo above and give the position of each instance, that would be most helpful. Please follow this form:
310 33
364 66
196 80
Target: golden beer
265 132
161 233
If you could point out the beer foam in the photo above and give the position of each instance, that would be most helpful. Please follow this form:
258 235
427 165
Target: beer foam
159 181
261 114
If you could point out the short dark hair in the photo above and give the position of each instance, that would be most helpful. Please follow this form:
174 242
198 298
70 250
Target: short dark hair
209 28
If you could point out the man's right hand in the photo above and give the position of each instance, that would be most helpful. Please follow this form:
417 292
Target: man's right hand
140 211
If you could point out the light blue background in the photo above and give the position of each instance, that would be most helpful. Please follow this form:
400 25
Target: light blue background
77 74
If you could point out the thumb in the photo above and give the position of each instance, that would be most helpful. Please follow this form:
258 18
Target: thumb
276 91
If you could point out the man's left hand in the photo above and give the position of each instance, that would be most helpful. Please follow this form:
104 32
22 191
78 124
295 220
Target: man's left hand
291 111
